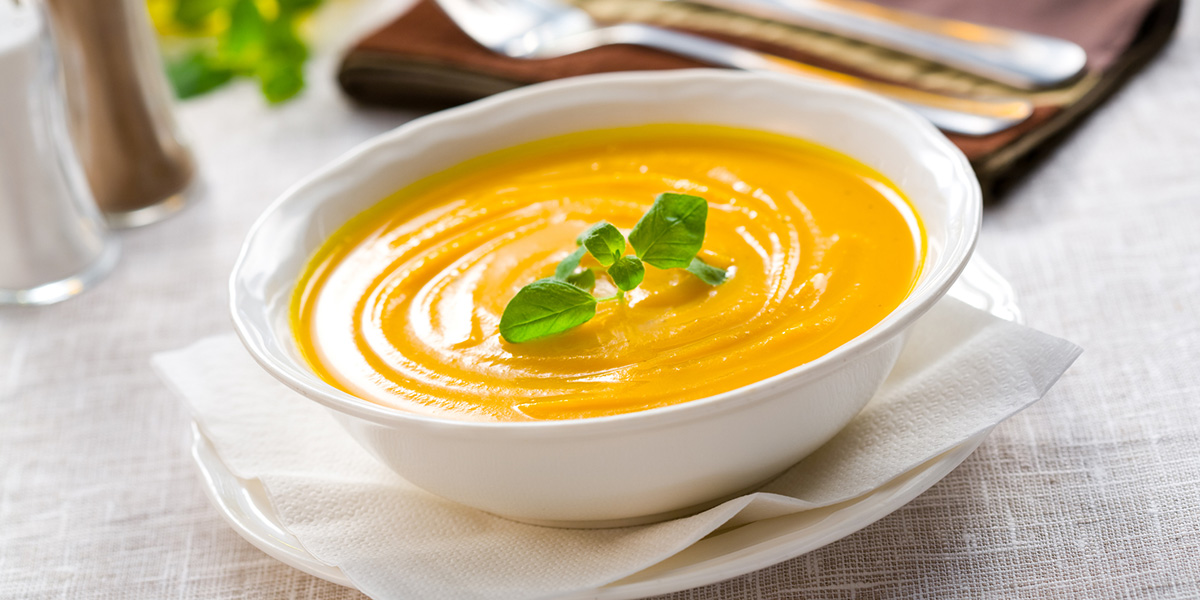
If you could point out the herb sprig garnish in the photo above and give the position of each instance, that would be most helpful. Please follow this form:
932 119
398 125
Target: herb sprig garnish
668 236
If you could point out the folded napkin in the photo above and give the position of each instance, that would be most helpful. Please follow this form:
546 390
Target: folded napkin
962 372
423 59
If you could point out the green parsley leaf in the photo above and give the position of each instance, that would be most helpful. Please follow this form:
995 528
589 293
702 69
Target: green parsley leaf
193 13
280 80
567 267
283 43
226 39
707 273
605 242
584 280
670 234
195 74
545 307
243 43
627 272
295 6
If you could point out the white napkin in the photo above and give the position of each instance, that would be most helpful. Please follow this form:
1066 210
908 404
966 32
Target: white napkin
962 372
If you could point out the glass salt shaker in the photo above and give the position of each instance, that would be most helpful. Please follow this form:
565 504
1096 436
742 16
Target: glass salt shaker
53 239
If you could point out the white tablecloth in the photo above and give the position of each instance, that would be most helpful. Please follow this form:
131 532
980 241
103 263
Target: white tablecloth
1094 492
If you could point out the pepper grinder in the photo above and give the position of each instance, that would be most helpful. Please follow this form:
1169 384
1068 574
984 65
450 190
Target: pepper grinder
120 110
53 242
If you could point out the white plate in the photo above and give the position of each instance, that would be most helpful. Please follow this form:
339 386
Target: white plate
724 554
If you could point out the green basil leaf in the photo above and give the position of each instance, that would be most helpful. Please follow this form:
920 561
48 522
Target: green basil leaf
707 273
670 234
584 280
627 272
545 307
605 242
566 268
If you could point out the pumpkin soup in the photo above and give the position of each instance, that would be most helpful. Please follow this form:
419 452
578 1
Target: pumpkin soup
402 305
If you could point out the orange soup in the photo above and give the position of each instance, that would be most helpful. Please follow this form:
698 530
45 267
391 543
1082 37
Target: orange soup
401 306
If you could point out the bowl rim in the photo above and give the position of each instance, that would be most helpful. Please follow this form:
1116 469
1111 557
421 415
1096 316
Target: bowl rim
892 324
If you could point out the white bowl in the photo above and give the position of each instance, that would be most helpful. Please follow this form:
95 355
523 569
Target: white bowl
635 467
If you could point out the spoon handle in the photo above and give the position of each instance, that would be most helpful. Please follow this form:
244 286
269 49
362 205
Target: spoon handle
1019 59
966 116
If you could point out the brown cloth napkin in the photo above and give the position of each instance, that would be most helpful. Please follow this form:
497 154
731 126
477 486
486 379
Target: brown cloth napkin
423 59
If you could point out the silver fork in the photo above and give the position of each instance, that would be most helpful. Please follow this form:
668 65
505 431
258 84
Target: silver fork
546 29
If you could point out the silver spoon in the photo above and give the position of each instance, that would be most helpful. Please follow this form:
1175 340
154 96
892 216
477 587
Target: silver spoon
535 29
1020 59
